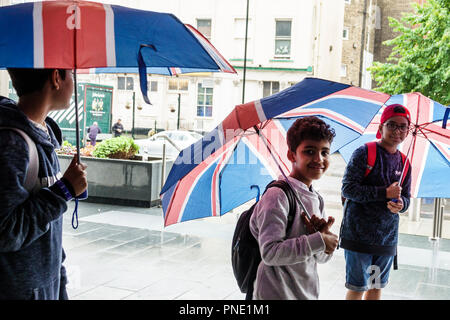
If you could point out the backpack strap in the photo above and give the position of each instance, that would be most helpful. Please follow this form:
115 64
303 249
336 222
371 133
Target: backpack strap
283 185
33 164
371 156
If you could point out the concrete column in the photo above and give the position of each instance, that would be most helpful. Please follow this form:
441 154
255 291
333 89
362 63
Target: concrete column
414 209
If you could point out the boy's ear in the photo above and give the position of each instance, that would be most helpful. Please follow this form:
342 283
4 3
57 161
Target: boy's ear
290 156
55 79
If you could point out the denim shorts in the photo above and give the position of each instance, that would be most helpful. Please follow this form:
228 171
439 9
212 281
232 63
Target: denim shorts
366 271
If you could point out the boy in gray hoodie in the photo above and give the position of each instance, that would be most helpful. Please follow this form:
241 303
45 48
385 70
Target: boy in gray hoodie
31 252
288 269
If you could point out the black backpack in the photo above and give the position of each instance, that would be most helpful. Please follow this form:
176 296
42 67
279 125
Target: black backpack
245 255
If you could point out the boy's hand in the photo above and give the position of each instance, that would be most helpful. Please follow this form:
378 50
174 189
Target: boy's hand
319 224
393 191
331 241
395 207
316 224
76 175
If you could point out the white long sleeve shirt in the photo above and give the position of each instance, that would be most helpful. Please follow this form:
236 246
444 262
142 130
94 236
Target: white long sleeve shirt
288 269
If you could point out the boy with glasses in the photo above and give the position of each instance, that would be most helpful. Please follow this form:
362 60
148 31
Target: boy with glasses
369 231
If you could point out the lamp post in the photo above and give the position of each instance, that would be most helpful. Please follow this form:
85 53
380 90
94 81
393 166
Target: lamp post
134 110
179 107
245 53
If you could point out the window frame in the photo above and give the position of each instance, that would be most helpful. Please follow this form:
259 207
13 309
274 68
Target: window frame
283 38
210 27
271 88
204 105
345 33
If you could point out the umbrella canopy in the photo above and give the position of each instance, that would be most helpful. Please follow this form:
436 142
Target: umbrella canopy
428 141
82 34
76 34
230 164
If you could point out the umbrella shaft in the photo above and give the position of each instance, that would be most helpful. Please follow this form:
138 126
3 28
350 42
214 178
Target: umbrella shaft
77 124
282 172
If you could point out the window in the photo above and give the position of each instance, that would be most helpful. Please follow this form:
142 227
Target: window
239 38
178 84
345 33
343 70
348 1
270 87
204 101
153 86
125 83
204 26
283 39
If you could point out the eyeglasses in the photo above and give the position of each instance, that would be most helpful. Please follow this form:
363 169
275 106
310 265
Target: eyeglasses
392 126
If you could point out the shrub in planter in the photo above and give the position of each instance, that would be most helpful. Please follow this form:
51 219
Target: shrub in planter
116 148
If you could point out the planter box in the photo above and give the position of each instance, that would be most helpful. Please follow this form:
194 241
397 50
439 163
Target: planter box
122 182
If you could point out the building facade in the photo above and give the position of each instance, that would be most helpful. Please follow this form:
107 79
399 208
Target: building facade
366 27
287 40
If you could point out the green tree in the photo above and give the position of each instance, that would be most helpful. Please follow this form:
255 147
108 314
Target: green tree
420 58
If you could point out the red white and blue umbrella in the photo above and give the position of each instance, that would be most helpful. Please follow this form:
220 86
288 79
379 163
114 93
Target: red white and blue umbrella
82 35
230 164
428 142
78 35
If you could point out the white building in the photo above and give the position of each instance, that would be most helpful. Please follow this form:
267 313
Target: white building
288 40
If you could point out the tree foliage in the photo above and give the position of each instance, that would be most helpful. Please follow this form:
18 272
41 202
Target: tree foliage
420 58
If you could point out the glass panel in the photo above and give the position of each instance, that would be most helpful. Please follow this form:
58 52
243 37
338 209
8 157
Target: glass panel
282 47
266 88
200 88
200 111
121 83
173 84
209 99
154 86
201 99
183 85
209 90
204 26
283 29
130 83
209 111
275 87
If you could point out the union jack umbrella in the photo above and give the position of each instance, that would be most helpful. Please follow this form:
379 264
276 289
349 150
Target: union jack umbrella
228 166
87 35
428 143
77 35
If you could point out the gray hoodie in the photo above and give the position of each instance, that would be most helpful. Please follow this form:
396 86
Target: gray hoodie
288 269
31 251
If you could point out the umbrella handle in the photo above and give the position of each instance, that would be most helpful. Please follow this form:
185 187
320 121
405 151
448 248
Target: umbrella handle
257 190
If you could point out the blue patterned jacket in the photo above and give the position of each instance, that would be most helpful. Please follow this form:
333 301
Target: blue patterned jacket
368 226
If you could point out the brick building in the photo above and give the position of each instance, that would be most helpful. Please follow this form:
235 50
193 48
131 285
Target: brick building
366 27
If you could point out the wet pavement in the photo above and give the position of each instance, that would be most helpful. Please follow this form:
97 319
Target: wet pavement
122 252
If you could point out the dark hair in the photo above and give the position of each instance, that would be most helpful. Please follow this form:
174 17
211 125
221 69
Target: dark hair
26 81
311 128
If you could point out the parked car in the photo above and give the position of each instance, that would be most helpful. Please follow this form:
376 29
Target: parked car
153 146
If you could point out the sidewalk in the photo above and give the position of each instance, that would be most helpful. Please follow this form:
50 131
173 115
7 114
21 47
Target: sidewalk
125 253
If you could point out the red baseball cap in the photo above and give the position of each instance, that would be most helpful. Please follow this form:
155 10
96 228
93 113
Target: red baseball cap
393 110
